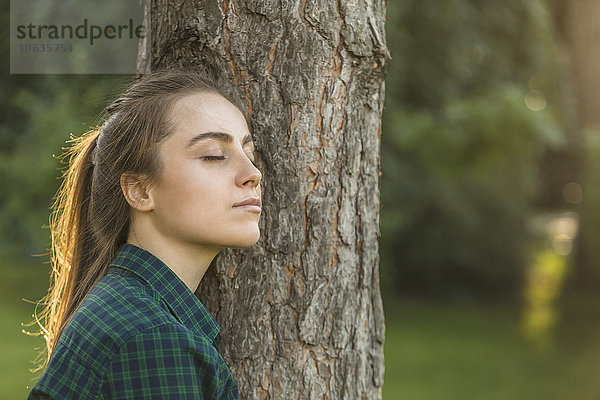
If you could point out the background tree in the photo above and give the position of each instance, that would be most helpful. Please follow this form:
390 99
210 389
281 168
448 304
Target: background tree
301 311
577 28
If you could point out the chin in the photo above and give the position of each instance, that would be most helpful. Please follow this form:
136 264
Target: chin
247 240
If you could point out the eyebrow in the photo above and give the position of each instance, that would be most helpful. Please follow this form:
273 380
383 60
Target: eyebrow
220 136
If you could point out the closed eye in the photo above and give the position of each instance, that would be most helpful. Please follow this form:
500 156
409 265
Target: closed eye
213 158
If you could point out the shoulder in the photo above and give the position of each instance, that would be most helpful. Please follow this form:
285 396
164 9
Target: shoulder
117 308
168 343
168 361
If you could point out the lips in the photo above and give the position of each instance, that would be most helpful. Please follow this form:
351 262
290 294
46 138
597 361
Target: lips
251 201
250 204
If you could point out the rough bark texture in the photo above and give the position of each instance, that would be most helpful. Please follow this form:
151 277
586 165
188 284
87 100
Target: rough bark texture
301 311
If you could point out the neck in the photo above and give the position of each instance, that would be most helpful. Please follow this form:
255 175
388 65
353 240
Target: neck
189 262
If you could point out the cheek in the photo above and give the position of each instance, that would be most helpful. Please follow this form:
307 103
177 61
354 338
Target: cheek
190 191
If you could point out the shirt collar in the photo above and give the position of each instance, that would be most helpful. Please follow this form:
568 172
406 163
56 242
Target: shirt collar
184 304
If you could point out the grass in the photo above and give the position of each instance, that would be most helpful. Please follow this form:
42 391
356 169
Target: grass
18 350
461 351
432 350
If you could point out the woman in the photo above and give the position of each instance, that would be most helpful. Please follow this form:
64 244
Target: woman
147 202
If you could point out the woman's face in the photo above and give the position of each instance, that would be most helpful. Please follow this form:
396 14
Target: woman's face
207 171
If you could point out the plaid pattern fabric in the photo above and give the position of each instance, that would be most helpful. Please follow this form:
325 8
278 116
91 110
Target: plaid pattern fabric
139 334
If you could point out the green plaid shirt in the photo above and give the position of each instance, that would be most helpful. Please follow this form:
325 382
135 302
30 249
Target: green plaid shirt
139 334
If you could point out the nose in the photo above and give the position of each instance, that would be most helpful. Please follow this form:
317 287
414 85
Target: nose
249 174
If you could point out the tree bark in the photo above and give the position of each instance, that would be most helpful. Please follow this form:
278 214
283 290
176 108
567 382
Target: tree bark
301 311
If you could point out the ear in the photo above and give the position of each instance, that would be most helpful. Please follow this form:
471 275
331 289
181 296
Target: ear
136 192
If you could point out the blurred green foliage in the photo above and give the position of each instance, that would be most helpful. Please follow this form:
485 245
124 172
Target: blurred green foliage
43 112
472 103
47 110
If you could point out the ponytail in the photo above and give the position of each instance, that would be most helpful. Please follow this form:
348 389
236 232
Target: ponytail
70 233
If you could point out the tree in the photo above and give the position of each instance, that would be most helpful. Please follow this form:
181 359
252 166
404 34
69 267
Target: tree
301 312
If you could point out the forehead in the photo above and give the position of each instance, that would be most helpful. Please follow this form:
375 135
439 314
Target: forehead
202 112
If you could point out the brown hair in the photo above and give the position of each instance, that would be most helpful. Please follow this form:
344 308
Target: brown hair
90 217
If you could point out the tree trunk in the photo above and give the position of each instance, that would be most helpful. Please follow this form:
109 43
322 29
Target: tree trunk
578 25
301 312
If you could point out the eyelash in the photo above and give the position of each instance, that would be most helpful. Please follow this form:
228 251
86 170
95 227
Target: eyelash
217 158
213 158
